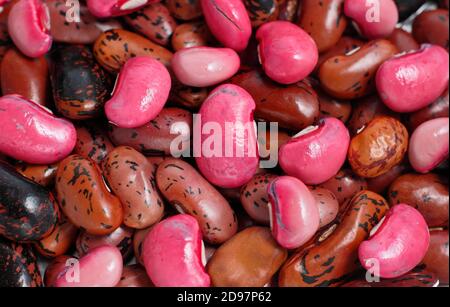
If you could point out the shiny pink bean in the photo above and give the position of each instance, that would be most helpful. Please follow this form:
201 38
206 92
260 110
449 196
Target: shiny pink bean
29 27
32 134
287 53
294 217
101 267
374 19
398 245
413 81
110 8
429 145
228 153
317 153
173 253
205 66
141 92
228 21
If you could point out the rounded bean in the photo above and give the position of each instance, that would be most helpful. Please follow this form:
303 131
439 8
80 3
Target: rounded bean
436 259
41 174
431 27
185 9
134 276
439 108
327 203
381 183
404 41
138 242
317 153
190 34
59 241
54 268
92 142
262 11
345 45
330 107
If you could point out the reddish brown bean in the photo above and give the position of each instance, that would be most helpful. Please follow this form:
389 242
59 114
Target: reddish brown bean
41 174
404 41
330 107
436 259
185 9
134 276
138 241
345 45
439 108
381 183
54 269
432 27
190 34
92 142
327 203
345 185
288 10
262 11
187 96
59 241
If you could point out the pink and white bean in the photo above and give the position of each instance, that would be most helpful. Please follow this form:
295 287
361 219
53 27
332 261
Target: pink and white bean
141 92
32 134
173 253
113 8
229 109
375 19
398 245
429 144
101 267
229 22
413 81
205 66
29 27
317 153
287 53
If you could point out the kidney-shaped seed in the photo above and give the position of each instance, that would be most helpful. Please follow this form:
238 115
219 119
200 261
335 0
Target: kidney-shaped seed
59 241
205 66
141 92
294 215
32 134
317 153
398 245
413 81
92 142
327 203
176 241
436 259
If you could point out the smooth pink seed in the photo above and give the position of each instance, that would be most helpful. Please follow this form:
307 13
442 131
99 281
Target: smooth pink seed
294 212
429 145
413 81
287 53
205 66
29 27
112 8
32 134
100 267
141 92
227 154
172 253
377 20
316 154
228 21
399 244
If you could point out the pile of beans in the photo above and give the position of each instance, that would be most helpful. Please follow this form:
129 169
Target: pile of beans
94 93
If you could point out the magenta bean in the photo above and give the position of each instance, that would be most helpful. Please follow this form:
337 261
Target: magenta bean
32 134
100 267
429 145
373 21
141 92
287 53
294 214
29 27
230 109
398 245
413 81
228 21
205 66
110 8
172 253
317 153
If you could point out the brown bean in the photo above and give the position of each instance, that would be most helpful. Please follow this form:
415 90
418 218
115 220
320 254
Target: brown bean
191 34
436 259
432 27
24 76
381 183
54 269
351 76
185 9
41 174
84 197
288 10
330 107
404 41
331 261
324 21
427 193
187 96
249 259
327 203
92 142
439 108
114 47
131 178
262 11
154 22
345 45
134 276
379 147
345 185
294 107
138 241
190 193
59 241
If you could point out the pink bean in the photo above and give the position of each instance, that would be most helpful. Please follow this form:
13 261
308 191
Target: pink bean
429 145
101 267
398 245
33 134
227 124
29 27
110 8
413 81
373 21
317 153
173 253
141 92
205 66
287 53
294 215
228 21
